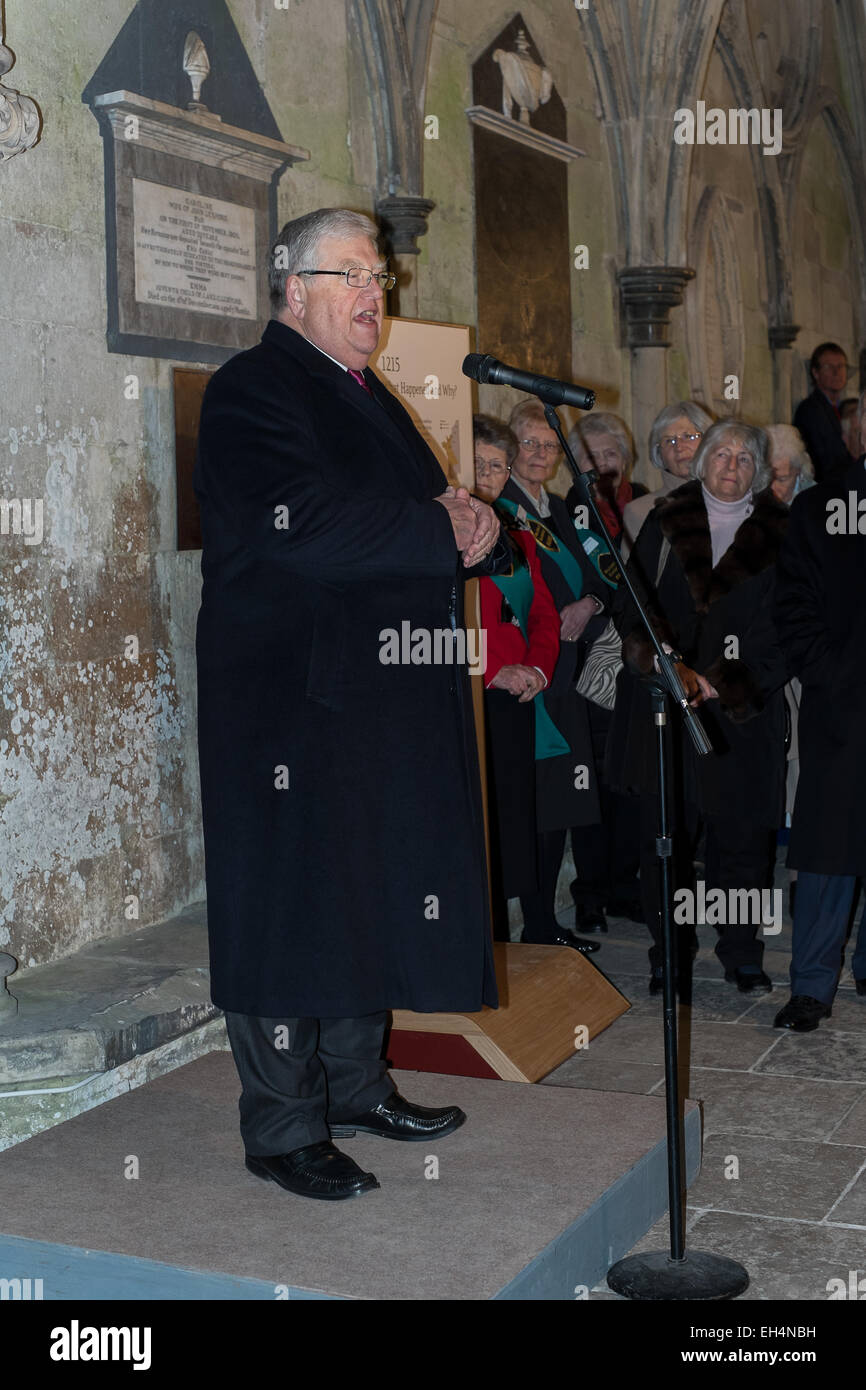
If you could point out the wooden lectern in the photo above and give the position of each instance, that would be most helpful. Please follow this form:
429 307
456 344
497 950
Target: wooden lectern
546 994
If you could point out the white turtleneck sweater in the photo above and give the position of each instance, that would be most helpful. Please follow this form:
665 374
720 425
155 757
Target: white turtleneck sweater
725 519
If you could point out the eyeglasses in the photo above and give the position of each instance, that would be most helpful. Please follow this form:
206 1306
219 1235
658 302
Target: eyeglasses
534 445
482 467
673 439
358 277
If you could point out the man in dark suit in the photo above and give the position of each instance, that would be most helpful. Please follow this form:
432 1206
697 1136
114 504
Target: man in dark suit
341 805
821 622
818 417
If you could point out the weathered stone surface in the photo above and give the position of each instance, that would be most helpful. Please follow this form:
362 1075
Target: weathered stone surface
113 1000
59 1098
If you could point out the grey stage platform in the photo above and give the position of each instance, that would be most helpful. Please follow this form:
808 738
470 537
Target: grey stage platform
538 1193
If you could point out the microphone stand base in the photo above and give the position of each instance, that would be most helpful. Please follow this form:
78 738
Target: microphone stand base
699 1275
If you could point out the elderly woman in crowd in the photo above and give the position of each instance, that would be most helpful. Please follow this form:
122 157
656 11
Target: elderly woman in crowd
673 442
707 556
530 759
606 855
789 462
602 441
582 586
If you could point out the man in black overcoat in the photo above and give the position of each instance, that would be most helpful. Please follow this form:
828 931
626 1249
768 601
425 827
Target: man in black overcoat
341 806
818 417
821 621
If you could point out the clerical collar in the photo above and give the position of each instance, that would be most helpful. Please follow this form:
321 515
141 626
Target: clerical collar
541 505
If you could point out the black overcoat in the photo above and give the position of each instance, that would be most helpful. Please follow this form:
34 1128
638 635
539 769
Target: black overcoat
698 609
821 619
821 429
340 795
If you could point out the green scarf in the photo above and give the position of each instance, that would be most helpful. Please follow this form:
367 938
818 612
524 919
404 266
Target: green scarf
597 552
548 543
518 589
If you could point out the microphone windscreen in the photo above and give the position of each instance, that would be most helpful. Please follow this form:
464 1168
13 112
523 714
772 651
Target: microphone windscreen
477 365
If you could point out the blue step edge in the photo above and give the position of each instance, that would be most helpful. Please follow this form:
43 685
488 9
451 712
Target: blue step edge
70 1272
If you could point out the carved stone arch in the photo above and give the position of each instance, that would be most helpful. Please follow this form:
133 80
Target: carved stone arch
418 16
395 120
394 42
849 155
714 309
738 58
628 53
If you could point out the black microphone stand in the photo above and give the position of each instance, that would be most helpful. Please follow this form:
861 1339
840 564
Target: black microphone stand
677 1274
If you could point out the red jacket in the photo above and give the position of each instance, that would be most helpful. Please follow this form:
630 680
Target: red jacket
505 643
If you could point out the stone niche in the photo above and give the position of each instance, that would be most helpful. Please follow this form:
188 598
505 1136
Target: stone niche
190 193
523 256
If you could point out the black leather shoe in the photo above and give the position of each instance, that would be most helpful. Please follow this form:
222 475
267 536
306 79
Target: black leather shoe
397 1118
593 920
748 983
860 986
317 1170
586 948
801 1014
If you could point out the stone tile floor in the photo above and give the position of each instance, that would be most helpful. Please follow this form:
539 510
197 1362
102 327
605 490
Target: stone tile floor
782 1187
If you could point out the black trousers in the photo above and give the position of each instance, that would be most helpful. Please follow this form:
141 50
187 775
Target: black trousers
606 855
298 1074
539 913
738 855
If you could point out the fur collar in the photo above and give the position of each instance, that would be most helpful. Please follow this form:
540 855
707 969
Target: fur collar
755 547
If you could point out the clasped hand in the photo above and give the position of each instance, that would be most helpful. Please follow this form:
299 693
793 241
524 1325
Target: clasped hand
523 681
474 523
696 687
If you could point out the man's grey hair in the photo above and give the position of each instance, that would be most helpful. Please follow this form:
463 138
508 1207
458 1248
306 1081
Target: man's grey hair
753 440
786 442
661 425
297 246
604 422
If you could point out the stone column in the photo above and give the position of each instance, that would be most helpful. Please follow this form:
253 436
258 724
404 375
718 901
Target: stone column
781 337
403 218
647 294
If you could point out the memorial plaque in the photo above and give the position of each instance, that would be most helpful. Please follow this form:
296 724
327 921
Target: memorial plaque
193 252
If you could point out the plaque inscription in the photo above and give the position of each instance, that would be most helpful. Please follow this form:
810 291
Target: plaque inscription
193 251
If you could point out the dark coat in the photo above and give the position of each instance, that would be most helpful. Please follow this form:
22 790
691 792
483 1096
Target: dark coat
821 429
697 608
574 499
559 802
362 886
821 619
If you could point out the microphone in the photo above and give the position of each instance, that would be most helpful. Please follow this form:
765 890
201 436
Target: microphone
484 368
